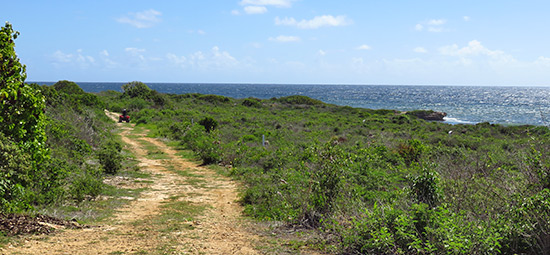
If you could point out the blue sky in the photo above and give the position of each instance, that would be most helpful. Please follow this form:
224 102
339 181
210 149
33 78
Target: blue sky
285 41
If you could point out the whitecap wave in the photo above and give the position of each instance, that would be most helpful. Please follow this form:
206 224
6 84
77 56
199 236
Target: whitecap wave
456 121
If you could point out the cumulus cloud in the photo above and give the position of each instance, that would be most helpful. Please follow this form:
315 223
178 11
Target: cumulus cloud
363 47
543 61
437 22
260 6
475 49
285 38
255 9
433 25
178 60
420 50
276 3
215 59
143 19
316 22
79 59
108 62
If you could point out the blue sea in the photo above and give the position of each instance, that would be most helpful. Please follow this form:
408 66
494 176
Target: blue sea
463 104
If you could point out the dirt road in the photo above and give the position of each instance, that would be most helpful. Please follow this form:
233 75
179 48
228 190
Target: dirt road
187 209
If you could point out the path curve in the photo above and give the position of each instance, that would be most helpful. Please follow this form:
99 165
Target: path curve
135 228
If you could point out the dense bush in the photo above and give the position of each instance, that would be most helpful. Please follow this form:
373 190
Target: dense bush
209 124
23 121
299 100
109 157
374 181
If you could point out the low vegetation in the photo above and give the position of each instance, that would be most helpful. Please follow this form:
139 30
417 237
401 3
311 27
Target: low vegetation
372 181
56 144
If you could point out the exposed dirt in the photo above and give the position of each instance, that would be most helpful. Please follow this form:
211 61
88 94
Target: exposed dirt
139 228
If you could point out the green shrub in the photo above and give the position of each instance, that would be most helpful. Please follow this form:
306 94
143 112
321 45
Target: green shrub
213 99
110 158
209 124
86 185
68 87
424 188
411 151
252 102
299 100
136 89
15 176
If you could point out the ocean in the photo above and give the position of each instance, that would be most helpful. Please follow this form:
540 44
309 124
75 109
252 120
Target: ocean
463 104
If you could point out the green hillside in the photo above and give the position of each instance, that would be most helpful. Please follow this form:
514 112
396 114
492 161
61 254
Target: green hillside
372 181
367 181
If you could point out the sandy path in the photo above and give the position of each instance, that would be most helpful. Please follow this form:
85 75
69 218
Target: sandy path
136 228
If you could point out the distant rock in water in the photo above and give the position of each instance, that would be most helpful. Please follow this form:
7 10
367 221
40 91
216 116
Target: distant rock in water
428 114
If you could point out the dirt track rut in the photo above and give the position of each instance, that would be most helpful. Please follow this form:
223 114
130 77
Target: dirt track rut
142 227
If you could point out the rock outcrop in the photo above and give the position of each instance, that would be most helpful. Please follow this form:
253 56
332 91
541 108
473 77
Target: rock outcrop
428 115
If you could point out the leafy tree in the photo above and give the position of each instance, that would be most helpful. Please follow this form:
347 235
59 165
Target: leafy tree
22 107
136 89
22 117
68 87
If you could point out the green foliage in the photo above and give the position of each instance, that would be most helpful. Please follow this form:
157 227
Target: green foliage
142 96
424 188
299 100
110 158
86 185
213 99
15 172
252 102
411 151
375 181
21 107
22 119
68 87
136 89
209 124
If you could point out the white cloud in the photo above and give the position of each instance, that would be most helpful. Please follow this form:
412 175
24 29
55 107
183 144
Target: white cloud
235 12
61 57
433 25
543 61
255 9
137 56
134 51
316 22
322 52
215 59
363 47
143 19
420 50
285 38
107 61
175 59
476 49
79 59
466 18
436 22
276 3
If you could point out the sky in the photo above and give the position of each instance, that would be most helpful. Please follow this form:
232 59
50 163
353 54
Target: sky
400 42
